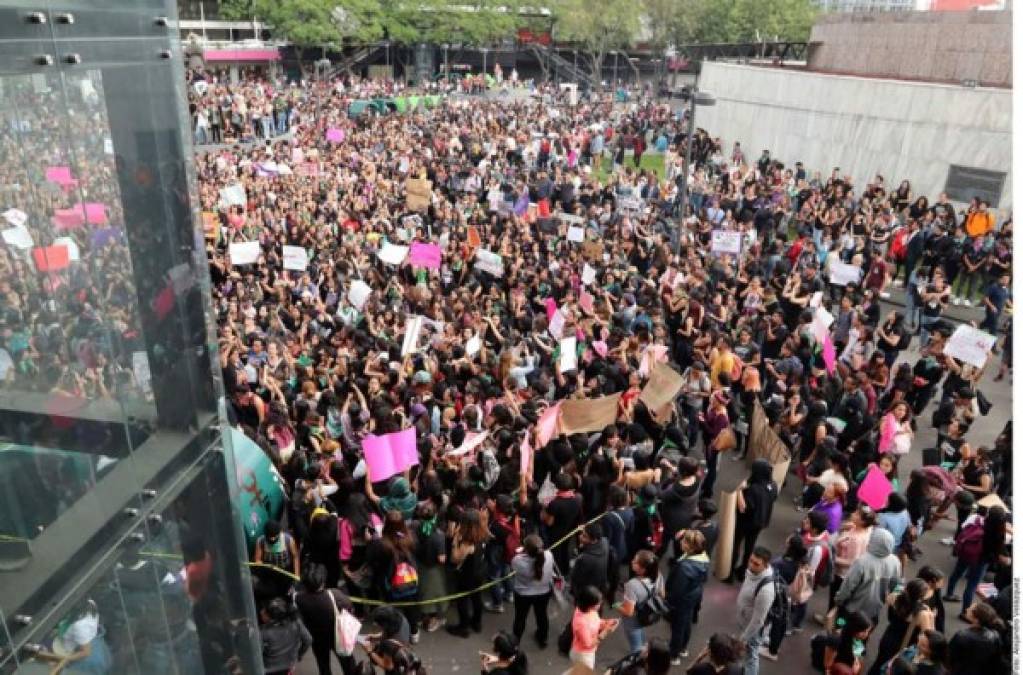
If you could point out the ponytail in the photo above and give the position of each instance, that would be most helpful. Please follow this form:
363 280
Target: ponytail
533 546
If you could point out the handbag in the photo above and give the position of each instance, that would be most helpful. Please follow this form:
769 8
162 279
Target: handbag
346 629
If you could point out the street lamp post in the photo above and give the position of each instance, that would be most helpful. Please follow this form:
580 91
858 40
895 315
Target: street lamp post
446 75
695 98
484 50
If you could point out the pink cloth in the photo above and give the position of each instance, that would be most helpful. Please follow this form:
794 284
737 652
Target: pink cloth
829 354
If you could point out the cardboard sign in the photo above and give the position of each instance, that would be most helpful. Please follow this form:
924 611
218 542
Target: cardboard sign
392 253
725 241
568 359
590 415
841 274
296 258
417 194
359 293
244 252
662 388
970 345
489 262
875 488
576 234
425 255
390 454
592 250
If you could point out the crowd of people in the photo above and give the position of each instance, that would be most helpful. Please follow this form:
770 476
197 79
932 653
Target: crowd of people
622 523
567 270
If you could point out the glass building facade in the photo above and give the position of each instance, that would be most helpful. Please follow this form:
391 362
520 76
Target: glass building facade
121 550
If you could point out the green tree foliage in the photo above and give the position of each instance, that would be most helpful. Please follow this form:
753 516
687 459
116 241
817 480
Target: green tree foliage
712 21
598 29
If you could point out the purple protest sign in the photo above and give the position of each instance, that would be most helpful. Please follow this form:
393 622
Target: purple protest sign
335 135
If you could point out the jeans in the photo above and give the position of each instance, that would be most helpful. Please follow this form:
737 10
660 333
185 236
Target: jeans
974 574
636 637
681 618
752 664
202 136
692 424
798 614
926 322
499 568
282 121
538 603
268 126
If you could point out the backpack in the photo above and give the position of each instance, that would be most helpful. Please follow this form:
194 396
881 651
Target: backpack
779 612
403 582
801 588
825 572
650 610
969 545
818 646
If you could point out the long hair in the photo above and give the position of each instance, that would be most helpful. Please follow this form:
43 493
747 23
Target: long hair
533 546
395 536
471 529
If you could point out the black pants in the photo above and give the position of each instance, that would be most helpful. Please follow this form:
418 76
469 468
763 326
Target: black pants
470 611
747 537
538 603
681 618
775 634
322 652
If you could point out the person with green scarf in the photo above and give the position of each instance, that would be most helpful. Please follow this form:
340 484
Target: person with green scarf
431 554
399 496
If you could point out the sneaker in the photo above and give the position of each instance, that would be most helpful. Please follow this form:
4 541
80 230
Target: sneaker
956 301
414 638
885 295
435 624
948 597
948 541
495 609
766 653
677 661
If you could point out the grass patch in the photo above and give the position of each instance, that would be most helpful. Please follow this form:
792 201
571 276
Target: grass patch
650 161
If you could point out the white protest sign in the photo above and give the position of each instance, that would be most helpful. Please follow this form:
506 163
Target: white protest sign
971 345
725 241
16 217
296 258
473 346
557 324
822 320
244 252
589 274
568 359
233 195
489 262
359 293
816 299
571 218
576 234
108 146
73 254
631 203
841 274
18 237
470 444
413 326
392 254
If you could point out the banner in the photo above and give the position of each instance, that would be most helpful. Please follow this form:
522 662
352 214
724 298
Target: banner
841 274
589 415
662 387
970 345
572 219
244 252
417 194
296 258
260 488
390 454
425 255
726 241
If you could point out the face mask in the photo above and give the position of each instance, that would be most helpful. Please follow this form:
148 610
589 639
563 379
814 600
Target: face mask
858 647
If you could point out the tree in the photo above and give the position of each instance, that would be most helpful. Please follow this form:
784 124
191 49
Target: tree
598 30
716 21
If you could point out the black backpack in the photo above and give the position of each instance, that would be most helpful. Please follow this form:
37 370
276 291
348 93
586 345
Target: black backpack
779 612
652 608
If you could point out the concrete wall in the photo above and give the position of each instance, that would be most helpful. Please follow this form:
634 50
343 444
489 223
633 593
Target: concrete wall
933 46
864 126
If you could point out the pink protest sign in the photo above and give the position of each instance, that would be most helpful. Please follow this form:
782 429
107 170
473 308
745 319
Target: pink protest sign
547 425
889 426
61 175
525 454
335 135
95 213
68 219
424 255
586 301
875 488
390 454
829 354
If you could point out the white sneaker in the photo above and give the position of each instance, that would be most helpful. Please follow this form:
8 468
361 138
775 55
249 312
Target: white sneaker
956 301
766 653
948 541
885 295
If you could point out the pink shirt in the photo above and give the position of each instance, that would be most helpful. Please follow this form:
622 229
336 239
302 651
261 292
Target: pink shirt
585 628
